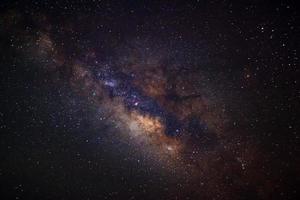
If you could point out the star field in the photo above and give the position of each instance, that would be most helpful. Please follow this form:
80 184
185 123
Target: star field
149 100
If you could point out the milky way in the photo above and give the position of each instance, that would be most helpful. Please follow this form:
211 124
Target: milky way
168 102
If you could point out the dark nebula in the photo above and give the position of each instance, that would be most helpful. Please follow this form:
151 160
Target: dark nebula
149 100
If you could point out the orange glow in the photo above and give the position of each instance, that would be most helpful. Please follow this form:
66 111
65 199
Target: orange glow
148 124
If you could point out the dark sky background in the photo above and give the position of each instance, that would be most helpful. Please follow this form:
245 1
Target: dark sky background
149 100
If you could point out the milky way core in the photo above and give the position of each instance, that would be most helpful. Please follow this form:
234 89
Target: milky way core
149 100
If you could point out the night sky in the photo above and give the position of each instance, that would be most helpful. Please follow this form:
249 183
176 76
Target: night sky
162 100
